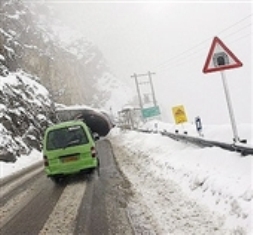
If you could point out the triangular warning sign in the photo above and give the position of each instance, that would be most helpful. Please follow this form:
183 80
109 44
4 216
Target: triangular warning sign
220 58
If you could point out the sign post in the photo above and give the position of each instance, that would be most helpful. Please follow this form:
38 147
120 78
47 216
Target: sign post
220 58
151 111
198 125
230 109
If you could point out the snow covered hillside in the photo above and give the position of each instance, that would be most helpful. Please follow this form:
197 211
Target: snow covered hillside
25 111
42 62
70 66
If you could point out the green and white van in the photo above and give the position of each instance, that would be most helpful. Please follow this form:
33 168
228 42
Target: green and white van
68 148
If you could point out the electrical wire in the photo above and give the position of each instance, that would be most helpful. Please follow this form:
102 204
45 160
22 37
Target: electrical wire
191 58
174 59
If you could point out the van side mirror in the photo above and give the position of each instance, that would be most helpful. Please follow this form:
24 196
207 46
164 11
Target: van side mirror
96 136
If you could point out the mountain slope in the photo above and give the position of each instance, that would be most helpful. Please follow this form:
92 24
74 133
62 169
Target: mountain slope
71 67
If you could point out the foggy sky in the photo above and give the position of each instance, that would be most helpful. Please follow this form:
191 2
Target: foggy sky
172 40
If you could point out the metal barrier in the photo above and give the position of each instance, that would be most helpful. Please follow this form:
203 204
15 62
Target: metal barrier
244 150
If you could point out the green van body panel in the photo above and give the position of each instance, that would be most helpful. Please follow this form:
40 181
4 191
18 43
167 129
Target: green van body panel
67 149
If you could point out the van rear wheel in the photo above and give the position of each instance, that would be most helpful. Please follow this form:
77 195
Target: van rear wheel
56 179
97 169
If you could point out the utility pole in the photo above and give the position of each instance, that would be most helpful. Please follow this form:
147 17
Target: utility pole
137 83
138 89
152 88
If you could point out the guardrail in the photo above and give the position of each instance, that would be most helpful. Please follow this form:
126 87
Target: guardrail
244 150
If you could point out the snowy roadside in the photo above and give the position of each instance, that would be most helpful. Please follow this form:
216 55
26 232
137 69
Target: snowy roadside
22 162
212 177
162 206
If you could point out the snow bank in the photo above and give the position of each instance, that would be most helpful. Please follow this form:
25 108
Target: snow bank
219 179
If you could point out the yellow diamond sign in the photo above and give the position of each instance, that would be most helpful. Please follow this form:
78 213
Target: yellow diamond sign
179 114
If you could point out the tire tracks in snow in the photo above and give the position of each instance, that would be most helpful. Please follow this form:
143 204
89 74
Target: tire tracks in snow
169 209
63 217
35 205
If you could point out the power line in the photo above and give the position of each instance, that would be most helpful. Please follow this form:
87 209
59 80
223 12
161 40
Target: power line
178 57
238 22
206 40
186 59
238 30
242 37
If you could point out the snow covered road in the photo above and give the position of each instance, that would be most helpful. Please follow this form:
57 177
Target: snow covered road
81 204
167 188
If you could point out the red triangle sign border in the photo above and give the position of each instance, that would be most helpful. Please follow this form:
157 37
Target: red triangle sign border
216 41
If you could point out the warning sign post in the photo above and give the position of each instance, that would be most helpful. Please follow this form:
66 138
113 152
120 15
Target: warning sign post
220 58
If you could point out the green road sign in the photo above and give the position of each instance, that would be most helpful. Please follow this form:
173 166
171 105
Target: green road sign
151 112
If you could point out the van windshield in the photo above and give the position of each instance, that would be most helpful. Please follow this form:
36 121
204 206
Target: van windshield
66 137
